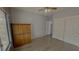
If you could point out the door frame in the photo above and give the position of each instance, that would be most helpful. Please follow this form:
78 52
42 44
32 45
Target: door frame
7 27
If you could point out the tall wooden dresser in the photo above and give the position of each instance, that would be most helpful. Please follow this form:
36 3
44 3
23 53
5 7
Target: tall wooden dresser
21 34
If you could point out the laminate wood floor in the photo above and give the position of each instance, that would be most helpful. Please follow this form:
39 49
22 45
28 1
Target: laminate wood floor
47 44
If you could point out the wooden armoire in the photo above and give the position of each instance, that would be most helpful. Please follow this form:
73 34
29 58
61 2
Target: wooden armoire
21 34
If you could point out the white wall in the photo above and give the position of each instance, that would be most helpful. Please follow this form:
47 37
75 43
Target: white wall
58 28
38 21
67 29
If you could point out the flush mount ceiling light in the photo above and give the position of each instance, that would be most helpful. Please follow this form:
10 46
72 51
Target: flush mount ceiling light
49 9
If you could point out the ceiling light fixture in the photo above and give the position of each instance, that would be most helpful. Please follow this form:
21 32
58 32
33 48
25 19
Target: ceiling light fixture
48 9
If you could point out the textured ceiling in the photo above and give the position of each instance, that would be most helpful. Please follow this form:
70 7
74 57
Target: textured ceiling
62 11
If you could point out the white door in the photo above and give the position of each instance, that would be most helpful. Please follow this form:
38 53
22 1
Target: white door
49 27
3 31
71 33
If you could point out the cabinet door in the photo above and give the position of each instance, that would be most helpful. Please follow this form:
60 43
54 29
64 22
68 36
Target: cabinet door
3 31
17 35
18 40
21 34
72 30
27 38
